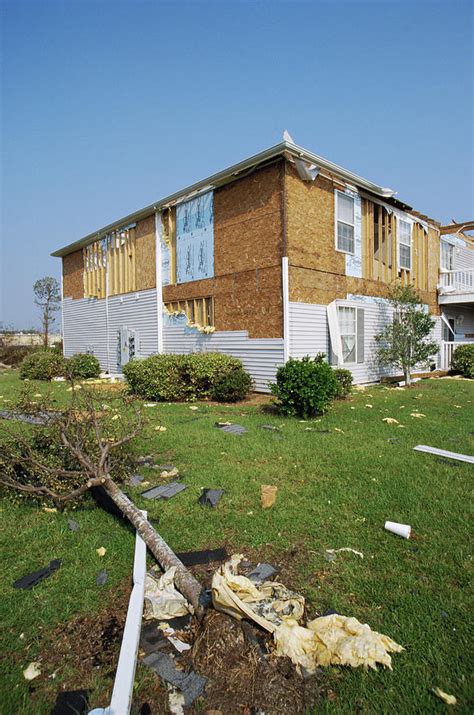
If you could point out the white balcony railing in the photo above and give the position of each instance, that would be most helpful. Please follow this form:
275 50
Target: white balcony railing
462 281
447 349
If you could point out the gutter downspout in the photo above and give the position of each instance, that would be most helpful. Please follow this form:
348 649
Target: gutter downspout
107 312
159 281
286 309
62 312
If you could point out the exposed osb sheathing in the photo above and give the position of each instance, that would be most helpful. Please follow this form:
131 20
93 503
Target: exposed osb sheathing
317 270
247 257
145 254
73 275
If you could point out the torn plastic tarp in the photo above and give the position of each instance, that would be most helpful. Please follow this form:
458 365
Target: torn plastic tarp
329 640
162 600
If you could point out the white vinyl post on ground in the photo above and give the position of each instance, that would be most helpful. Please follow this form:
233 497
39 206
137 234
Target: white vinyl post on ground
286 308
122 693
159 281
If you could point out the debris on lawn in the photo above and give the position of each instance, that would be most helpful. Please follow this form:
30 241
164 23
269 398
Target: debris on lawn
102 577
268 495
101 551
164 467
170 634
334 640
231 428
162 600
190 684
417 414
69 702
328 640
135 480
32 671
369 406
390 420
193 407
263 572
73 525
272 428
145 460
444 453
237 596
210 497
403 530
50 510
164 492
448 699
194 558
169 473
31 579
331 553
336 429
160 428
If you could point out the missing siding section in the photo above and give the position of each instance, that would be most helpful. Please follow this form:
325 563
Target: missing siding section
113 258
198 311
381 242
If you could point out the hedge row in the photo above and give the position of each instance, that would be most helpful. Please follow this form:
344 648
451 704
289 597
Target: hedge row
169 378
47 363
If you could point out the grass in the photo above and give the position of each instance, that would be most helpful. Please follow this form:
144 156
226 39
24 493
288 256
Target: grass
335 490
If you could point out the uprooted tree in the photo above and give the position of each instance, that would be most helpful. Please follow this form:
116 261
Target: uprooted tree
59 456
404 343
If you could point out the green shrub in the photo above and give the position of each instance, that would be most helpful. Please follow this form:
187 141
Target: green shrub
232 386
305 387
82 366
167 378
463 360
42 365
344 379
158 377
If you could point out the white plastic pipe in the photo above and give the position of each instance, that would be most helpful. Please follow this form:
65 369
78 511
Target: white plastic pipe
403 530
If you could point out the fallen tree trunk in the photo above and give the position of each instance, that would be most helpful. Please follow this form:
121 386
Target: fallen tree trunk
185 581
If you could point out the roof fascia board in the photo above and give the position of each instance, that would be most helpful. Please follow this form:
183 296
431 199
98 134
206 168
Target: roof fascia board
286 149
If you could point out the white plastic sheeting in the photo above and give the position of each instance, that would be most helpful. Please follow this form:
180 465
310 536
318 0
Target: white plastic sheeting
195 238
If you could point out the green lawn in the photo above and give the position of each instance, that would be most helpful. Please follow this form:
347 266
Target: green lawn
335 490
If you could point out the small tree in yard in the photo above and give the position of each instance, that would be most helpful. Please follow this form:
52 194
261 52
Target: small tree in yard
404 343
47 298
61 455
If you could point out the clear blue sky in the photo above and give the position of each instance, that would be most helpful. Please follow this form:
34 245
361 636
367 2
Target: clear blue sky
108 106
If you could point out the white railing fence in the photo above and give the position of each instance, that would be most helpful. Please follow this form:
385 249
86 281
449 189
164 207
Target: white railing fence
458 280
447 350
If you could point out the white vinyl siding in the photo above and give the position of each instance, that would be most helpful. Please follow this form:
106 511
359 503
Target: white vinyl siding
404 244
344 222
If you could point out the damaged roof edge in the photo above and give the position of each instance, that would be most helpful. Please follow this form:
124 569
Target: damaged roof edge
282 149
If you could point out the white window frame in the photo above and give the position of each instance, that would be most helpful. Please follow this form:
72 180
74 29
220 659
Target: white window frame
337 221
354 311
404 243
445 245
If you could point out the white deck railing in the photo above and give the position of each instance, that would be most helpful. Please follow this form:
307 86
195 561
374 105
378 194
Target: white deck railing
447 349
462 281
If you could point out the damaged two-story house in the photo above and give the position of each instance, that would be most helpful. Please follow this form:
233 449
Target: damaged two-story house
282 255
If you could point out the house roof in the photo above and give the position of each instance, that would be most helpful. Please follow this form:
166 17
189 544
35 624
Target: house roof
284 148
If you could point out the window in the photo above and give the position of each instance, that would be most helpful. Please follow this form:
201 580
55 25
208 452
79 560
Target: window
404 244
352 333
447 256
347 327
448 333
344 222
199 311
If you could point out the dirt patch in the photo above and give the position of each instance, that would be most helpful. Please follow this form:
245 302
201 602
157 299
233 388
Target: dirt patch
241 679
